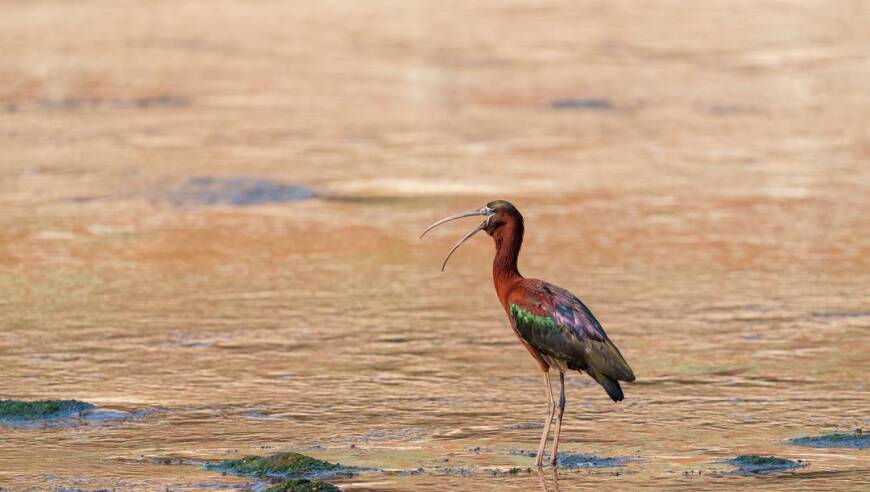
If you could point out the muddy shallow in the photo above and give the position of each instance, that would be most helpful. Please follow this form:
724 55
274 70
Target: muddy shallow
210 220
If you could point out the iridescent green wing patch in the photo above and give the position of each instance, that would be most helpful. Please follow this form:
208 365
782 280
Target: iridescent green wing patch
544 334
531 326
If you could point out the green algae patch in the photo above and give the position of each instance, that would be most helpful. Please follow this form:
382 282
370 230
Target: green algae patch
18 410
303 485
856 440
276 465
753 464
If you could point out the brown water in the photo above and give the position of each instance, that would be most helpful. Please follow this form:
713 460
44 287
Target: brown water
698 174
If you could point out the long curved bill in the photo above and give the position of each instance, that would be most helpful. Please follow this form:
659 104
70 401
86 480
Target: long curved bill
486 212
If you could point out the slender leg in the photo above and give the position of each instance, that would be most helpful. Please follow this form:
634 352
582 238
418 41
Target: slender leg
551 410
559 421
541 480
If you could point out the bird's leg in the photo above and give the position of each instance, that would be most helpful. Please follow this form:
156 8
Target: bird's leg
555 457
551 410
541 480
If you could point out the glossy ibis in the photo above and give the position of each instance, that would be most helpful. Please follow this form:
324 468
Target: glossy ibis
555 327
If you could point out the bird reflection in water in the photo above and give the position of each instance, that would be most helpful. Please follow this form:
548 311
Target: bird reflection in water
542 479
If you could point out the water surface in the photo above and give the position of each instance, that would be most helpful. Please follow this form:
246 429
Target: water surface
714 216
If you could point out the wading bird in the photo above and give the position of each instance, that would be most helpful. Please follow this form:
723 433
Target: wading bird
555 327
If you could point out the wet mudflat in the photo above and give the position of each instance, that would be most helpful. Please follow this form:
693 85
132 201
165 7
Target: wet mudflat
209 227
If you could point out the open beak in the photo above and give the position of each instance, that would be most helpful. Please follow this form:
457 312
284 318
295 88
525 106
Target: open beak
485 212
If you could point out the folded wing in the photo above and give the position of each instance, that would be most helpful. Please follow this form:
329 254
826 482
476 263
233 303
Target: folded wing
556 323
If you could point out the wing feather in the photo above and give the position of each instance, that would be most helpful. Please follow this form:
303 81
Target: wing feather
556 323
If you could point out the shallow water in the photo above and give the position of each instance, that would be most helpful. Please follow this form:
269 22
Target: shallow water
697 175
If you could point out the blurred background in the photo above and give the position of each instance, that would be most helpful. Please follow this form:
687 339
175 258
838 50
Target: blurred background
210 214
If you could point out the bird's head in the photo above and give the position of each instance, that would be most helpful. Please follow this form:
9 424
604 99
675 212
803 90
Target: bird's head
495 215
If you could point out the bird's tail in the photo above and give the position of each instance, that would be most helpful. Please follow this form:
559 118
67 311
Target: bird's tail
610 385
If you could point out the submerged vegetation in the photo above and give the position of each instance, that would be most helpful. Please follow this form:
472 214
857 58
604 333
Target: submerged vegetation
753 463
297 468
303 485
277 465
857 440
236 191
18 410
569 460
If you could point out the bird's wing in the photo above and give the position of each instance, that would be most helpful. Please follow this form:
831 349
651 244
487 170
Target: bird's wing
557 323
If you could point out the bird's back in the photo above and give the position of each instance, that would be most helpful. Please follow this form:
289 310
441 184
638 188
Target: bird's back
557 324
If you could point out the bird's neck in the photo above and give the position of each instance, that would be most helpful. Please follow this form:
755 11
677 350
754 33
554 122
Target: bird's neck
508 240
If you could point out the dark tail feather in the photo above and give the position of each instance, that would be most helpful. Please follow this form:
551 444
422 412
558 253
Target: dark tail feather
610 385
